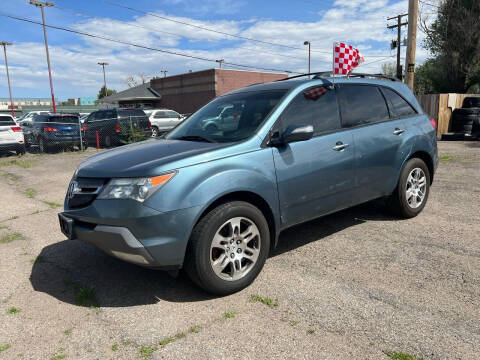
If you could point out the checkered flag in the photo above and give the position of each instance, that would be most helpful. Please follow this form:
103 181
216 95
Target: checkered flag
345 58
315 93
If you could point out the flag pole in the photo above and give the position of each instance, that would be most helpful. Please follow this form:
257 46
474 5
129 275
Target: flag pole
333 62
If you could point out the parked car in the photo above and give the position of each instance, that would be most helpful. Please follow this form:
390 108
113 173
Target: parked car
29 116
114 127
53 132
163 120
11 135
214 203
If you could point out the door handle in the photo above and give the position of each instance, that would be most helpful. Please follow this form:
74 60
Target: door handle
397 131
340 146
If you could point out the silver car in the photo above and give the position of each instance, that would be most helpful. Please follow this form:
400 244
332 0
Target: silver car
163 120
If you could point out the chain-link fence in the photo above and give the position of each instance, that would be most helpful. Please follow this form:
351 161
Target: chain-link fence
54 133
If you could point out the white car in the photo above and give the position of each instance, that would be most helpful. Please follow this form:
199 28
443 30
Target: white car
163 120
29 116
11 135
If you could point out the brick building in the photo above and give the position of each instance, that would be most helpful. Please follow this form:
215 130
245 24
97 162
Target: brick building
188 92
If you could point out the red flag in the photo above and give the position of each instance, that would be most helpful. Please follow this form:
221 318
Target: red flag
345 58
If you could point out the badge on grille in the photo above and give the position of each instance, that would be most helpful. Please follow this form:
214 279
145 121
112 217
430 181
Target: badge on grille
72 189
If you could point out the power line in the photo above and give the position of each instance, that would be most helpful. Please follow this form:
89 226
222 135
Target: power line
207 29
85 14
140 46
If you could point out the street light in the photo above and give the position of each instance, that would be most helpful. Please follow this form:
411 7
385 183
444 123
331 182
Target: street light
4 44
220 62
103 64
309 51
41 5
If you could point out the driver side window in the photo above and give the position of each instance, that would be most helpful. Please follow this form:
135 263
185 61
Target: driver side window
315 106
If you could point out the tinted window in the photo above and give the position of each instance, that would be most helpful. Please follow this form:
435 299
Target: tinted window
6 121
362 104
399 107
160 115
172 114
63 119
315 106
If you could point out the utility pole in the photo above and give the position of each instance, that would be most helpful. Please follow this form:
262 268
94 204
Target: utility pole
309 53
411 42
220 62
164 72
398 26
103 64
4 44
41 5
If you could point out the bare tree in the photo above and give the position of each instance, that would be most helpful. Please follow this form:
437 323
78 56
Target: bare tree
136 80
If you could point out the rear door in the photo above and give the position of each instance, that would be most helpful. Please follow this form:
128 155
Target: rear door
314 177
8 129
377 136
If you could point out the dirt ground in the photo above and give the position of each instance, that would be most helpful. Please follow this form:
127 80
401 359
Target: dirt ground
358 284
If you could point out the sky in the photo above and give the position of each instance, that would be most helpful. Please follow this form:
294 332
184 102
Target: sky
279 26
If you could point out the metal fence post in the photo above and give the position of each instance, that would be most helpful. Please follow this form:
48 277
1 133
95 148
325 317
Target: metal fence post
80 129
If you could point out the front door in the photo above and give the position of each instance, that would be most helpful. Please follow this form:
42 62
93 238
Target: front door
314 177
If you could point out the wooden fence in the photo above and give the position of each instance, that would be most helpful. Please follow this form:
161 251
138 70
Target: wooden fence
440 107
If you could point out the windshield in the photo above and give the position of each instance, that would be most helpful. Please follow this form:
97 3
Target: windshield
228 118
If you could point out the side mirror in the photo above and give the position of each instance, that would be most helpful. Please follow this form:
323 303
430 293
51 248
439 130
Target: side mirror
293 133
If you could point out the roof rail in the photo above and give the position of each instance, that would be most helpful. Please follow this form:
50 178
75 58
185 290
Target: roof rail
302 75
357 75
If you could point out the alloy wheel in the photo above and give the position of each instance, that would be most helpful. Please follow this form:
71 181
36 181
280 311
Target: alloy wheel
416 188
235 248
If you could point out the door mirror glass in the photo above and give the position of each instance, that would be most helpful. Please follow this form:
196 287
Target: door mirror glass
297 132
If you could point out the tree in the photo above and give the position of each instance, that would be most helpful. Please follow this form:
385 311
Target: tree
135 80
454 41
389 69
101 93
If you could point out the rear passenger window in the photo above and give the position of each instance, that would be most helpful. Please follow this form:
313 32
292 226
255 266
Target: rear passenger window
362 104
315 106
399 107
6 121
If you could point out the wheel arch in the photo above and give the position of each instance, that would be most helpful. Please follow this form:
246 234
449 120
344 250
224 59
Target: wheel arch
251 198
427 159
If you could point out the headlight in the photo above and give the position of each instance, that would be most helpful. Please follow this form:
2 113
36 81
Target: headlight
138 189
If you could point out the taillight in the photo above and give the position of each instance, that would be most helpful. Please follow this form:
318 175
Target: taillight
16 128
117 128
434 124
50 129
149 124
84 128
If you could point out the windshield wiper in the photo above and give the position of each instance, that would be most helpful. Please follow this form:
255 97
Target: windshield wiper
194 138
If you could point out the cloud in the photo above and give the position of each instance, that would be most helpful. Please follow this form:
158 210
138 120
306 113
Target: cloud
76 73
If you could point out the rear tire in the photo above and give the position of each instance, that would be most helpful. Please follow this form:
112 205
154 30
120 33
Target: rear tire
228 248
155 131
413 188
42 146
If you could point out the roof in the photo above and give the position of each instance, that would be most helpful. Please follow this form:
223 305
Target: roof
140 92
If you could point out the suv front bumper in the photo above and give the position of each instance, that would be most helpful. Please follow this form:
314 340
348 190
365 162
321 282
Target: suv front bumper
133 233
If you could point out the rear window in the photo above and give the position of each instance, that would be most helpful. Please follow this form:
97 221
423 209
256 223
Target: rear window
63 119
130 112
6 121
362 104
399 107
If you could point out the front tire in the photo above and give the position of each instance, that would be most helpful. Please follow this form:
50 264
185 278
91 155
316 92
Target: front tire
411 194
228 248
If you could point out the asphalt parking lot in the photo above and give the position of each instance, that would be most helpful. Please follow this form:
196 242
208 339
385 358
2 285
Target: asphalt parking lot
354 285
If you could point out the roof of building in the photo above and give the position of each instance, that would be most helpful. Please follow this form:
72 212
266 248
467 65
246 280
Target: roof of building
140 92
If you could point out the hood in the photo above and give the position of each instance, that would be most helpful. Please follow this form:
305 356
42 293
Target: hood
144 158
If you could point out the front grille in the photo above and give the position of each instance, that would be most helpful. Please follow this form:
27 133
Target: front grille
82 191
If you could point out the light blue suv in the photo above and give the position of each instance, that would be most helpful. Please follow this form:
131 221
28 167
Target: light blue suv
214 201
